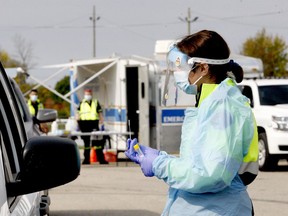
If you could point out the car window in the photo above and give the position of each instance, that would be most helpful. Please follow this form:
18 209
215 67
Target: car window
6 139
13 135
10 106
21 102
273 94
6 160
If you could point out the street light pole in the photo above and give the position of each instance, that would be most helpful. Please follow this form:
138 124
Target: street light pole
188 20
94 19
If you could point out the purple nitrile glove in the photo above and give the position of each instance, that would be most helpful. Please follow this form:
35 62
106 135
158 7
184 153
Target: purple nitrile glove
146 162
130 152
102 127
148 150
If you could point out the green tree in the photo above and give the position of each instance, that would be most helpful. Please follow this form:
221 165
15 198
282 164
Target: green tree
7 61
63 107
49 99
63 87
272 51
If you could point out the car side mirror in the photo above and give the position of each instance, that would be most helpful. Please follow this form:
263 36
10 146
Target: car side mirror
46 115
47 162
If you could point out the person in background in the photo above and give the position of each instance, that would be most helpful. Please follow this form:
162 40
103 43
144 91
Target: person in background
34 105
89 118
219 141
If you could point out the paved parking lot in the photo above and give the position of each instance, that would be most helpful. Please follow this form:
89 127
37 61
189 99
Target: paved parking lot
269 192
108 190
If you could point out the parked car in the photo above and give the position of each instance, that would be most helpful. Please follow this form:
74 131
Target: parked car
269 101
30 164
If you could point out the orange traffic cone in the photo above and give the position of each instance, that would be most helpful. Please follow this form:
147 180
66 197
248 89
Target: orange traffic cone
93 156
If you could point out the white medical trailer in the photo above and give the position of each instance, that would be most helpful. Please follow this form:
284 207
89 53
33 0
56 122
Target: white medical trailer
130 88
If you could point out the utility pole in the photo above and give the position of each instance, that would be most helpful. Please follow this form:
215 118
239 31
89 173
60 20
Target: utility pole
188 20
94 19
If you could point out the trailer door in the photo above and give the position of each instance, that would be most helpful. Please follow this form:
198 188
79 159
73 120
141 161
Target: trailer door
138 102
143 89
132 97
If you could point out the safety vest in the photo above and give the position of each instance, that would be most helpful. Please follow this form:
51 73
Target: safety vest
88 112
250 166
31 108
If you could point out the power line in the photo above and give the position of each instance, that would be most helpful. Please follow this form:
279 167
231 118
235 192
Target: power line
244 16
185 19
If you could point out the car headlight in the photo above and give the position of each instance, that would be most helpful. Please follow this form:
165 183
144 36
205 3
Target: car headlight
280 123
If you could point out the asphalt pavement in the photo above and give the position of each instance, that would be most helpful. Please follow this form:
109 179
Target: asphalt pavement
110 190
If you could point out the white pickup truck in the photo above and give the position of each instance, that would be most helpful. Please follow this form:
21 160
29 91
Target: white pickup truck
269 101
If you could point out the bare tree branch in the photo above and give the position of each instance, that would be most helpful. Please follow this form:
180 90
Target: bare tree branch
24 50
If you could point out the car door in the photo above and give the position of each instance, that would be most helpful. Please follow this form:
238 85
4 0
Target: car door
13 137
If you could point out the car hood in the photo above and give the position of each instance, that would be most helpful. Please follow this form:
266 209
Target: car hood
282 106
277 110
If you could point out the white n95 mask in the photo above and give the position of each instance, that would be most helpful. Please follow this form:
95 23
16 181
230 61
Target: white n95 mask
88 97
33 98
185 85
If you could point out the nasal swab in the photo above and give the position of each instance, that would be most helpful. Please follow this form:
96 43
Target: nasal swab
136 146
129 129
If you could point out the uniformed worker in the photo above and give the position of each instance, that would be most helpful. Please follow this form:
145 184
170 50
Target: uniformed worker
219 141
34 104
89 118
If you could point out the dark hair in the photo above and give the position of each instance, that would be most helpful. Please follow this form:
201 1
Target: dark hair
209 44
34 90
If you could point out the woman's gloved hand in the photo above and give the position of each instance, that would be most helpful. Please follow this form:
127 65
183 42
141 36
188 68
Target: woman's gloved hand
148 150
130 152
147 161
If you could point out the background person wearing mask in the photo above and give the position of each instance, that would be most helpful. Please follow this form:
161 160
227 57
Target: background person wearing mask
34 105
89 117
219 141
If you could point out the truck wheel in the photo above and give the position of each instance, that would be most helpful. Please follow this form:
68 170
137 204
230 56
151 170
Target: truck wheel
266 161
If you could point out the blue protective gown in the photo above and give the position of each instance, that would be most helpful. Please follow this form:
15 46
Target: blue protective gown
215 137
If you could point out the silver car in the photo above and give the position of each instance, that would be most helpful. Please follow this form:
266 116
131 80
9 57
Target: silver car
30 164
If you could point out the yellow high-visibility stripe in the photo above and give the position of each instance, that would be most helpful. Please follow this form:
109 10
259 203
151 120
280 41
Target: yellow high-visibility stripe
253 151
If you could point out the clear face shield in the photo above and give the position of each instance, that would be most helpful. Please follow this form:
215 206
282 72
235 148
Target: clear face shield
179 66
177 73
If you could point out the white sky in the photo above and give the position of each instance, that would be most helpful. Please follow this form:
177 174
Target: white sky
60 30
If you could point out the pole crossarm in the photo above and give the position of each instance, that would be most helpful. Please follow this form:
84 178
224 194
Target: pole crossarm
188 20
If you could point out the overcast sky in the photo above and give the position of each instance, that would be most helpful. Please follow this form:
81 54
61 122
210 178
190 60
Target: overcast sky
60 30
